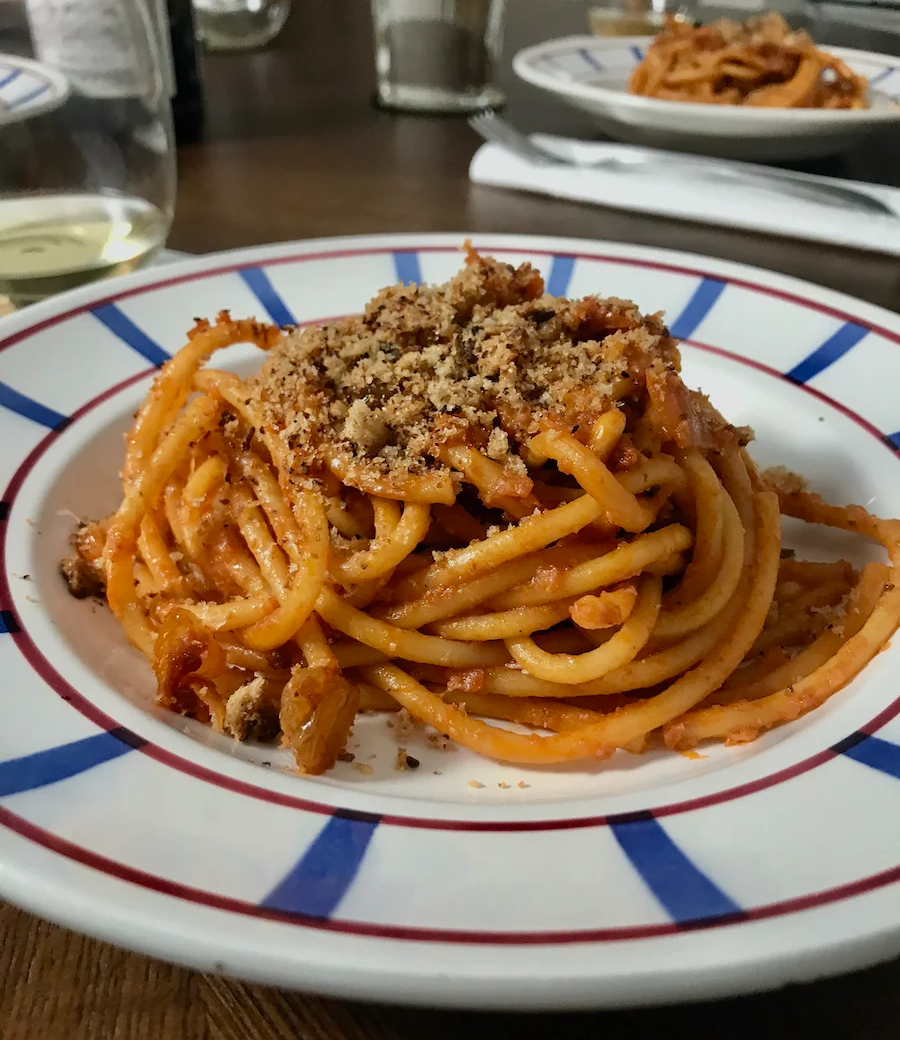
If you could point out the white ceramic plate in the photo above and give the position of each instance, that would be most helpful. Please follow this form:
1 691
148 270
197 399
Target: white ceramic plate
28 88
592 74
641 879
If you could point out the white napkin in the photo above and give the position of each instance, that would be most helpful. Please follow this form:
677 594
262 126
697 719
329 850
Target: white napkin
752 208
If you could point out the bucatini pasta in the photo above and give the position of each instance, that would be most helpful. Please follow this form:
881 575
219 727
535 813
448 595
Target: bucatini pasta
760 62
476 502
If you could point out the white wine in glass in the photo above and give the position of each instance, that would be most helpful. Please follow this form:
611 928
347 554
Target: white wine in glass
49 243
87 186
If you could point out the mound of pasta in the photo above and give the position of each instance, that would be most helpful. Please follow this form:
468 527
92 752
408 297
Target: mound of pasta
475 502
760 62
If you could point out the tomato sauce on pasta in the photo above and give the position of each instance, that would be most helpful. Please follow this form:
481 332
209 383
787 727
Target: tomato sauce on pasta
759 63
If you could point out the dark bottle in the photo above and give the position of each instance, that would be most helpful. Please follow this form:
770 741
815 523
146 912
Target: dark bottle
187 100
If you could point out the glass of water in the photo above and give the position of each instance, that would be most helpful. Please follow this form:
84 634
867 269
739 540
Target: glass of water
438 55
87 182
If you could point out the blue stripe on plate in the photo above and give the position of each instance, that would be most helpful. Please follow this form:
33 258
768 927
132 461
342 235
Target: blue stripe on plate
704 298
67 760
894 439
321 879
553 62
589 59
684 891
259 284
885 72
873 752
560 276
407 268
638 53
8 622
834 348
126 330
30 96
9 77
30 408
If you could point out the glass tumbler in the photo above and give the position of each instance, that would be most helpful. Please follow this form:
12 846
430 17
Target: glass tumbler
437 55
87 182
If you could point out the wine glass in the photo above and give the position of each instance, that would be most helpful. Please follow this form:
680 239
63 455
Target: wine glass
87 182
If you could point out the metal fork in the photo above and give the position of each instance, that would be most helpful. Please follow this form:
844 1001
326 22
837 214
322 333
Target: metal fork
634 160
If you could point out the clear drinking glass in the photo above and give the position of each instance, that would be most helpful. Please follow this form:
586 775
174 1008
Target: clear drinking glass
87 181
239 25
438 55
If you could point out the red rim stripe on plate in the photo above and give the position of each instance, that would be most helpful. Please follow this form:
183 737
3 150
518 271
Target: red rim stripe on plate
122 872
650 265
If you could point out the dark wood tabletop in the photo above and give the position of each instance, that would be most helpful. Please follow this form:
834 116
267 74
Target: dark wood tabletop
295 149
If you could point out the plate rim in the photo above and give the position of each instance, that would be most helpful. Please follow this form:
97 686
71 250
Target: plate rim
867 946
15 325
57 81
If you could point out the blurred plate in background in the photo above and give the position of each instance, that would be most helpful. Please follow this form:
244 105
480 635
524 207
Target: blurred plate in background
28 88
592 74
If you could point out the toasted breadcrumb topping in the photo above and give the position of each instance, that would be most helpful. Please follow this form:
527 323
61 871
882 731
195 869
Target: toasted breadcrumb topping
784 480
486 358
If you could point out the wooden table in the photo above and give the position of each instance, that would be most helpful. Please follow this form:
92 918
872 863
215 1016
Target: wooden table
294 149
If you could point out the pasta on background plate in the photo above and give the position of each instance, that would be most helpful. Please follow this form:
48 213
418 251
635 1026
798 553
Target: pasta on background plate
758 63
482 504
